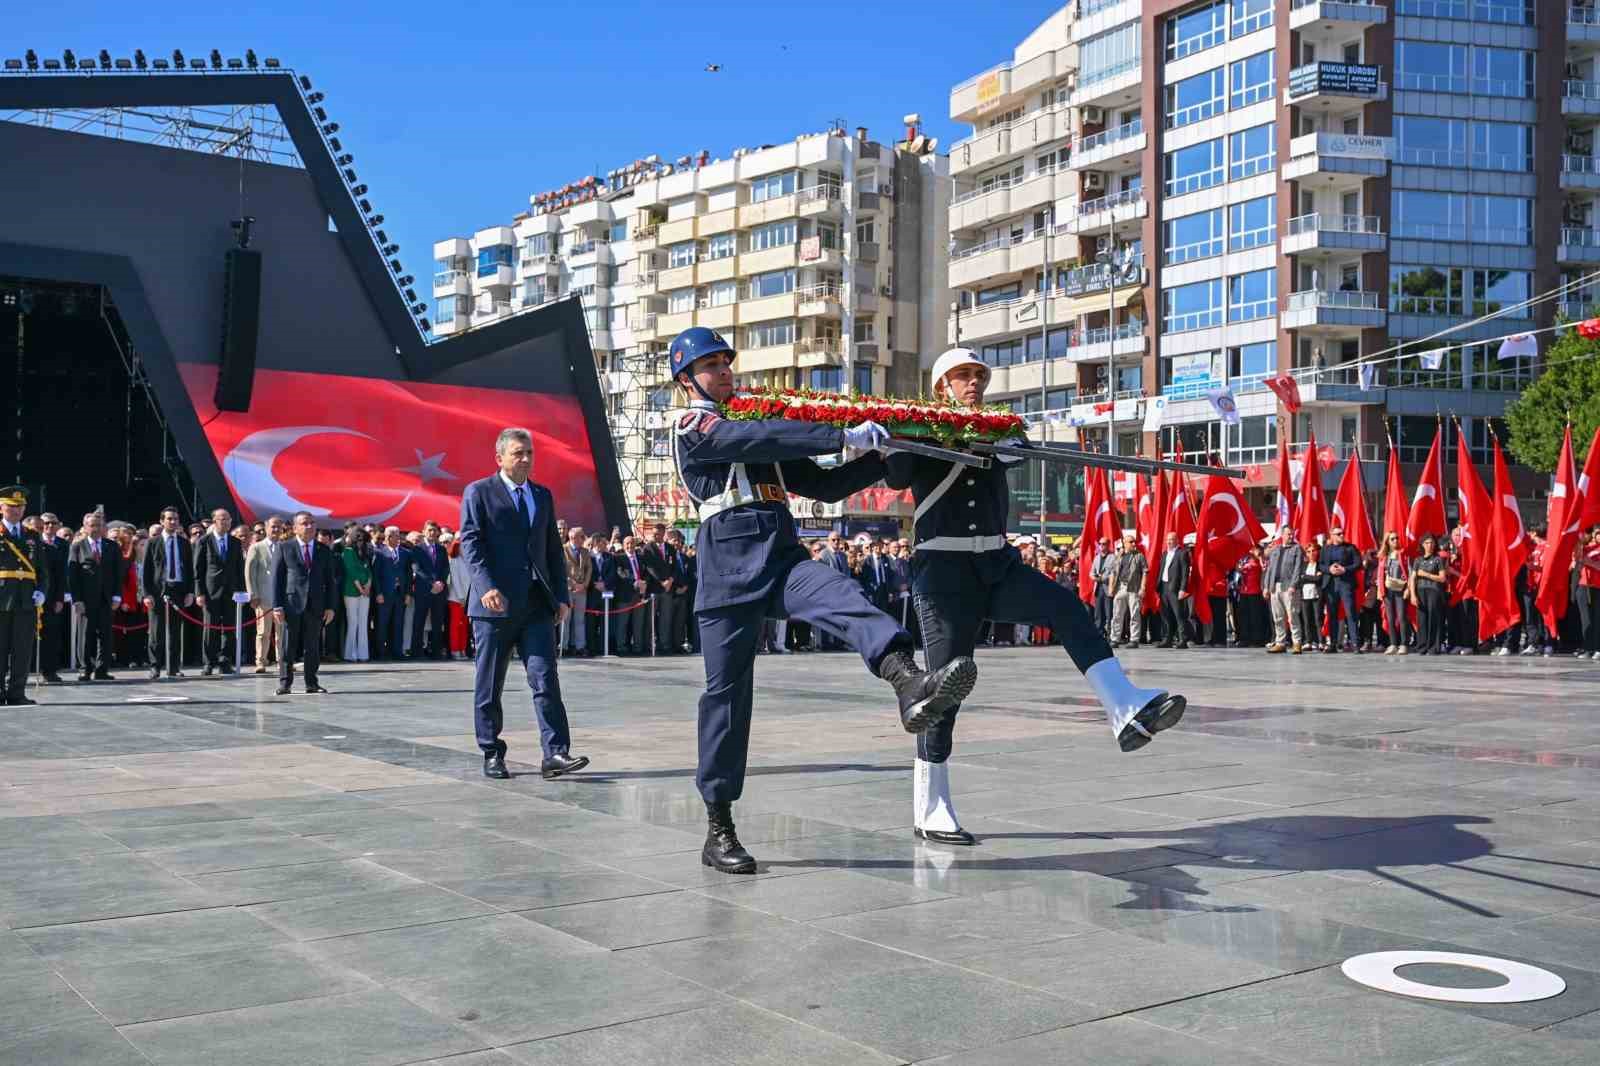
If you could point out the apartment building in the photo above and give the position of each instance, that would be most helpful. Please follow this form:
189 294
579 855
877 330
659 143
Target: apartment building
1233 189
822 256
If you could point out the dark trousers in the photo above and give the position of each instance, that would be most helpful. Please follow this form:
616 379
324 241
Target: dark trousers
220 612
1254 622
1217 631
956 591
667 606
1394 609
302 640
96 638
812 592
1533 627
1591 618
1342 627
166 634
53 637
388 639
1311 620
1430 619
17 630
629 628
1102 608
1174 622
534 636
428 605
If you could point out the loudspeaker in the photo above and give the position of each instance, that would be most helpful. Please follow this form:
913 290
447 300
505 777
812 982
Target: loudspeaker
241 320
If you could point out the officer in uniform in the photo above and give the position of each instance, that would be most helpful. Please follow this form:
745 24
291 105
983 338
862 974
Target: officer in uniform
752 566
963 572
24 587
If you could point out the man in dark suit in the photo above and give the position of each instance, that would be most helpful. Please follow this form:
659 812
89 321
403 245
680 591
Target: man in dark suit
661 571
94 578
430 570
391 580
303 592
53 624
219 576
631 586
168 586
518 596
1173 578
691 581
603 575
24 588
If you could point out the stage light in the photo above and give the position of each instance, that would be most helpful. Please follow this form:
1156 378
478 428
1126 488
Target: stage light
305 83
411 294
391 249
160 64
345 160
383 238
250 58
123 64
333 142
375 220
315 98
331 128
52 64
69 59
139 59
366 208
319 114
394 266
419 309
177 59
216 59
197 64
33 59
272 64
13 64
359 190
349 175
406 280
105 59
426 326
234 64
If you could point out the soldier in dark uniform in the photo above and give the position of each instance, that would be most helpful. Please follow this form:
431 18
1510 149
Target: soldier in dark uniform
751 565
963 572
57 615
24 587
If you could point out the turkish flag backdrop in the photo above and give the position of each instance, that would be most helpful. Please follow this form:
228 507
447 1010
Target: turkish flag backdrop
1563 519
1228 529
1395 512
1502 556
1589 484
1427 504
1313 511
1153 534
1099 520
387 452
1476 519
1286 509
1350 508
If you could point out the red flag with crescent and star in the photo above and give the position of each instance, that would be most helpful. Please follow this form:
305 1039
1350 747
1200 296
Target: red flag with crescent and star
1395 512
1312 517
1099 520
1427 503
1227 529
1503 554
1153 533
1350 508
1476 519
1563 522
1589 484
1286 511
382 452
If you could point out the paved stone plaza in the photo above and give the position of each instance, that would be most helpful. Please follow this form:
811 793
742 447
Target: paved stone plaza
238 878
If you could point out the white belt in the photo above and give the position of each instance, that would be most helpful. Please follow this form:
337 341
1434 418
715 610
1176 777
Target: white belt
962 544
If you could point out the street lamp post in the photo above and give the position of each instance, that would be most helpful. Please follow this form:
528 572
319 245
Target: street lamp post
1107 259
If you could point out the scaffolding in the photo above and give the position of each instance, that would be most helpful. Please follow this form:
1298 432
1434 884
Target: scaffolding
247 131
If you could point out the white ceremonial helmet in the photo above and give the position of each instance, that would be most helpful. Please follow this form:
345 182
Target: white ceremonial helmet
953 358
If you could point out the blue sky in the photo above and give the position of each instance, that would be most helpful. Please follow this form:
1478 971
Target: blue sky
456 111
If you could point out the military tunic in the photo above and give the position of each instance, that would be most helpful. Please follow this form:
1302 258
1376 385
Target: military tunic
24 571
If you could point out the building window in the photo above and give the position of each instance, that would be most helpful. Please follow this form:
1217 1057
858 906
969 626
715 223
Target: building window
772 235
771 186
1443 216
681 255
1502 72
1502 146
1426 290
444 310
1252 151
721 246
1005 353
865 331
773 283
825 378
863 382
722 293
1105 55
1499 290
1250 16
1257 435
769 334
536 245
1194 306
1000 294
619 231
680 301
828 236
492 258
1251 80
1195 98
1252 362
1198 166
1253 223
1197 29
866 232
1253 295
1191 237
1430 66
1454 142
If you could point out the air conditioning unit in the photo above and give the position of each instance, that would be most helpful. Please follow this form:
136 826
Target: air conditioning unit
1573 215
887 291
885 190
1094 181
1093 116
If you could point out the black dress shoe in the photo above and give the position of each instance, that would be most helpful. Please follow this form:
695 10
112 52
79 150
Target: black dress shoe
101 675
20 701
53 679
495 766
312 690
224 668
174 673
208 671
556 765
926 698
722 850
940 836
86 676
283 690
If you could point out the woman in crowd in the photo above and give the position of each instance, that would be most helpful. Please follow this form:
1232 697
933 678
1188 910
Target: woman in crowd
1250 610
128 638
1427 589
458 631
1394 577
1588 560
1370 591
1313 584
356 567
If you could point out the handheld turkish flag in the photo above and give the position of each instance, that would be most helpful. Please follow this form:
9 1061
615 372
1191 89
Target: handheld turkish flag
1099 520
1350 508
1502 555
1562 521
1228 529
1427 505
1589 484
1313 517
1286 510
1475 519
1394 501
1180 508
1160 523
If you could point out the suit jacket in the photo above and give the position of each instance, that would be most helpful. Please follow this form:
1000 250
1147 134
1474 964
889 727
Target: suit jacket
426 568
94 580
1176 577
524 563
218 576
580 567
1285 564
622 577
56 552
837 560
258 572
156 577
657 560
391 576
297 590
1129 573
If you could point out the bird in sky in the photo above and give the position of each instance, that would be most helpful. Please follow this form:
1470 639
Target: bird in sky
712 68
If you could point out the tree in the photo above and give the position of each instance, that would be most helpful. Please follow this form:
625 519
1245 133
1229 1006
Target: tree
1571 383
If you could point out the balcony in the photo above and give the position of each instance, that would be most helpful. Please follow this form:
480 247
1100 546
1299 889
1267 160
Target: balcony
996 258
1098 345
772 357
1318 20
1335 86
671 233
823 299
675 278
1334 233
1080 281
1580 99
1580 173
644 237
494 276
540 263
644 284
452 283
1578 246
1320 309
1583 24
1112 149
643 326
1340 385
772 209
1107 211
762 308
1114 85
760 261
976 207
1345 159
589 252
820 201
983 91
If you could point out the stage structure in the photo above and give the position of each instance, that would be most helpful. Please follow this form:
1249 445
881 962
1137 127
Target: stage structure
208 214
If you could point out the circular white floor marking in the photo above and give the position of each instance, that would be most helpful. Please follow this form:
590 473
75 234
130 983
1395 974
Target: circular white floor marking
1524 983
157 699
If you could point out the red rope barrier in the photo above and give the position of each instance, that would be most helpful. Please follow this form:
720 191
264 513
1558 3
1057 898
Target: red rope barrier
202 624
618 610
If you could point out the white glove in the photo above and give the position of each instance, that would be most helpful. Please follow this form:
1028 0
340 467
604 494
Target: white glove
38 599
67 598
116 601
1007 460
866 437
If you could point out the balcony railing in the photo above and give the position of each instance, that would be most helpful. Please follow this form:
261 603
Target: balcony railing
1104 203
1581 90
1127 331
1126 131
646 232
827 290
1324 223
582 247
1340 298
1007 183
987 246
1580 164
825 191
1583 14
1580 238
447 277
976 78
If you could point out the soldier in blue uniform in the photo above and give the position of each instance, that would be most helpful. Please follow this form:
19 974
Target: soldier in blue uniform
963 572
24 587
752 566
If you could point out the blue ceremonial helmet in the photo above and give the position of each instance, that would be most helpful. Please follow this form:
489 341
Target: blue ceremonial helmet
696 342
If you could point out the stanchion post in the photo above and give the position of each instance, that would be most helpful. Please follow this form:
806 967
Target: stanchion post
72 636
166 633
183 641
652 625
238 638
605 624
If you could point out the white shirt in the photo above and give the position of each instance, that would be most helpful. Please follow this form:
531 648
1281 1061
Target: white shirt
1166 564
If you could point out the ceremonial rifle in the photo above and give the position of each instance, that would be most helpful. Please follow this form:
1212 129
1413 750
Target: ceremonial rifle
1066 454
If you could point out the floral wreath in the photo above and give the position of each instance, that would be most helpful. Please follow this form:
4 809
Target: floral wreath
947 423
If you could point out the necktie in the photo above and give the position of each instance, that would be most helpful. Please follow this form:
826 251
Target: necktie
94 546
222 545
522 507
173 572
307 548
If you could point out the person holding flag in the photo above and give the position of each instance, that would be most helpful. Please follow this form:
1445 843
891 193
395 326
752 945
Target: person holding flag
1476 520
1344 556
963 571
1427 505
1499 560
1226 531
1552 592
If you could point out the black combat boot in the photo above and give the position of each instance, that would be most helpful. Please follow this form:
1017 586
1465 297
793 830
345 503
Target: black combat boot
722 850
926 698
